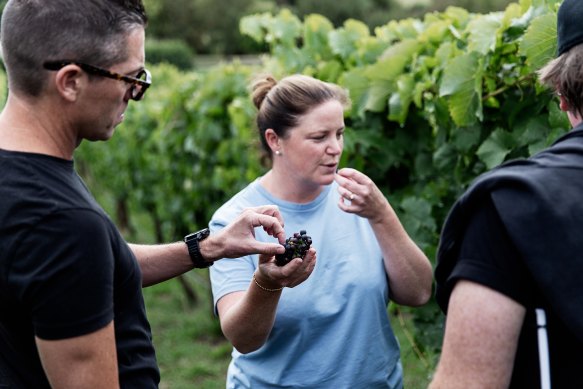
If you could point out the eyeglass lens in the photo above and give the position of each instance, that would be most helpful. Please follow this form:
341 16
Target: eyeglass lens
137 90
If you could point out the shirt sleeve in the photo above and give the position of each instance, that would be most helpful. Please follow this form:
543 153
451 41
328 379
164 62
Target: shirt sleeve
63 275
229 275
488 257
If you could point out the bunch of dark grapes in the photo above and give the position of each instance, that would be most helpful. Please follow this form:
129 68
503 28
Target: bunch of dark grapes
296 246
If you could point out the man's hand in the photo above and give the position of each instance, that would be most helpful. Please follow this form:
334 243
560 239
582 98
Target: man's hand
237 239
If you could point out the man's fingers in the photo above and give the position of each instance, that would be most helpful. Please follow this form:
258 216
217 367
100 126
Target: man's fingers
270 224
270 210
269 249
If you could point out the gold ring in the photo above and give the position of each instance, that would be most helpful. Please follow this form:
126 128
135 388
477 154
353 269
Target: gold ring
351 196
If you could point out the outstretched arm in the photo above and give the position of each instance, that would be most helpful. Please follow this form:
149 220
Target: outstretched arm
409 270
247 317
162 262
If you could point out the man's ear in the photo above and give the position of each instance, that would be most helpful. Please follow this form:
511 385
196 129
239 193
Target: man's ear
272 140
70 81
563 104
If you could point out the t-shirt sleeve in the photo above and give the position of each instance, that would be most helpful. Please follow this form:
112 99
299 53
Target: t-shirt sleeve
229 275
64 273
488 257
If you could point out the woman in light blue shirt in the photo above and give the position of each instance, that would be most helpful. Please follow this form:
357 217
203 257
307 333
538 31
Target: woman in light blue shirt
331 330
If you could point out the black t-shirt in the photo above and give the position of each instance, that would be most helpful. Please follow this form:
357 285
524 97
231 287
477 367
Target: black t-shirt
517 230
487 256
65 271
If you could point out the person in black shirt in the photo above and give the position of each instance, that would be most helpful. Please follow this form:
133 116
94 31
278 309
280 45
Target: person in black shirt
509 264
72 313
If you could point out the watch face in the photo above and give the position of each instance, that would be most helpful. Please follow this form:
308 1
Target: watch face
200 235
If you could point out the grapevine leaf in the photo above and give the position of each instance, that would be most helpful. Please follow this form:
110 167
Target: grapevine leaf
357 84
495 148
417 216
382 81
435 31
291 57
329 71
530 131
466 137
484 32
445 156
399 102
378 94
403 50
343 41
286 28
458 16
462 82
255 26
539 43
316 30
400 30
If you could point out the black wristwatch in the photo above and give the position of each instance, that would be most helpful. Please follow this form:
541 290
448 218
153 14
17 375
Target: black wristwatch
191 241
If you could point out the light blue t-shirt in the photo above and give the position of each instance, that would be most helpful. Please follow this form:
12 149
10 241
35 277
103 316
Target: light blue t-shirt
331 331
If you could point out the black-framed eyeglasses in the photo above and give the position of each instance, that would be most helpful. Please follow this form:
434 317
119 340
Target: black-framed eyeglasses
139 83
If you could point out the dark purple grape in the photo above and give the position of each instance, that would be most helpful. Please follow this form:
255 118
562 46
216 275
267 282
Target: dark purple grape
296 246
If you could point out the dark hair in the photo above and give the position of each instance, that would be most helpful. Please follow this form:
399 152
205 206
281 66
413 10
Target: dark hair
564 75
91 31
282 104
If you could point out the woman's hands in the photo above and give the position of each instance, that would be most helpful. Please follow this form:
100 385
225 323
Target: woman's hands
271 276
409 271
360 195
247 317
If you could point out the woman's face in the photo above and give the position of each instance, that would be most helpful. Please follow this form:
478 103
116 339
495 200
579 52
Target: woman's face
311 152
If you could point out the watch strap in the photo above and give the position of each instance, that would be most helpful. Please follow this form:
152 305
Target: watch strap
192 242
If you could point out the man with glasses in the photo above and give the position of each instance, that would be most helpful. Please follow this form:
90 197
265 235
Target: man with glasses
71 309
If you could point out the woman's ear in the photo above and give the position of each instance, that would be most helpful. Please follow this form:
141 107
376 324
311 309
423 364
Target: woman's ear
272 140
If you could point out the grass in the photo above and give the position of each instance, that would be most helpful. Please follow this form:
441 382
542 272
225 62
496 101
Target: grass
192 352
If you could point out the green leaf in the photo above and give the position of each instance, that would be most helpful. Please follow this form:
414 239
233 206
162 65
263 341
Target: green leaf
445 157
435 32
494 149
316 30
416 216
403 50
466 137
329 71
530 131
462 82
344 40
539 43
285 28
483 32
255 26
357 84
399 102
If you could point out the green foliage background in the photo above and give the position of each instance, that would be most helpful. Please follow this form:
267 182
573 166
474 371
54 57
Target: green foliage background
207 25
436 101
